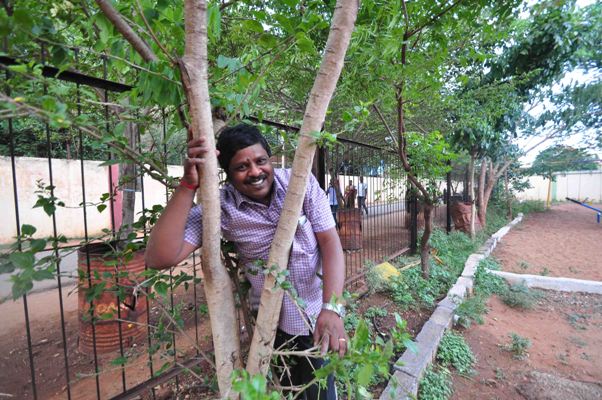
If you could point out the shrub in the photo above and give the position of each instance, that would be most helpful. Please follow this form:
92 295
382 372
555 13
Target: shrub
472 310
454 351
486 283
520 296
528 206
435 384
518 346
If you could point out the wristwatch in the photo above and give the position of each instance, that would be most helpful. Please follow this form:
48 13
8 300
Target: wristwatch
338 309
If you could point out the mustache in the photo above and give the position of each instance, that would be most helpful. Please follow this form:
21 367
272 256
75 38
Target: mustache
256 178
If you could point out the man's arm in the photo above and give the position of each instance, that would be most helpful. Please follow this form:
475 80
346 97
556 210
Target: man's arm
330 330
166 246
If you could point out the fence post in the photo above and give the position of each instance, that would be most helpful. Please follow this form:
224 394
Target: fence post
448 202
413 223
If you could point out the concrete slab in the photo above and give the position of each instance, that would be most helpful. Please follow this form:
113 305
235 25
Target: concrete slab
401 387
442 316
551 283
450 302
459 290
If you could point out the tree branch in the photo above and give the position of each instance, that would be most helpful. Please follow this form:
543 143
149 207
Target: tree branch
433 19
128 33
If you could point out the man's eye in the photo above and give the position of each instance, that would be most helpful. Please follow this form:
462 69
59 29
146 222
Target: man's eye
240 168
262 161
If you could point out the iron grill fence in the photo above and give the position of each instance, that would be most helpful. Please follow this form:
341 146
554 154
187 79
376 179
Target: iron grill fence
42 333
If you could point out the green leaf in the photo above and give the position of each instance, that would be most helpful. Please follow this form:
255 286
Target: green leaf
28 230
101 207
161 288
214 21
20 68
122 360
43 274
305 43
37 245
22 260
365 374
252 25
20 286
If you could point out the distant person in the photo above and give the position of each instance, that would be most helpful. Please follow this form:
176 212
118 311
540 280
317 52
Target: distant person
350 194
332 200
362 191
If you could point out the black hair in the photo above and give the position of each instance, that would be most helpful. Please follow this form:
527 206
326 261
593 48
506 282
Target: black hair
235 138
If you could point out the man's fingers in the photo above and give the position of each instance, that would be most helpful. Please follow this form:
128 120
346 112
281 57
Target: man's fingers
324 344
342 346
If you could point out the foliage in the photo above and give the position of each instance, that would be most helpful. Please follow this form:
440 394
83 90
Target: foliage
528 206
518 346
520 296
454 351
252 387
436 384
471 310
561 158
486 283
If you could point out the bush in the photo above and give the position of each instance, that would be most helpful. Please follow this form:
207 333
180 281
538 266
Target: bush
486 283
472 310
454 351
518 346
520 296
435 384
528 206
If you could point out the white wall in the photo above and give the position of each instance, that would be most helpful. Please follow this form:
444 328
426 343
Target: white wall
579 185
68 188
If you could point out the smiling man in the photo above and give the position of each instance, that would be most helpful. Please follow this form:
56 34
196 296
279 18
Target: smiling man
251 203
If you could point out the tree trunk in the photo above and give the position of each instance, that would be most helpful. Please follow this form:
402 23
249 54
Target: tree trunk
508 197
424 241
470 190
127 182
218 287
481 201
271 298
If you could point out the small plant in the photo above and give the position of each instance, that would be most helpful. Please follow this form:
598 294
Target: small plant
545 271
577 320
401 337
435 384
520 296
499 374
529 206
524 265
518 346
472 310
454 351
374 312
485 283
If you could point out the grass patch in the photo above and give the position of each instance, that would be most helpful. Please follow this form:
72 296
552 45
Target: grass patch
454 351
436 384
520 297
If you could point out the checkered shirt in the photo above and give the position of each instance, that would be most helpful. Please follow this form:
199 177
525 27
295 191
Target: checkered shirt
251 227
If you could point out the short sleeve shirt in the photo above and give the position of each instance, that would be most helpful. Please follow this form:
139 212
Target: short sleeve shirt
251 227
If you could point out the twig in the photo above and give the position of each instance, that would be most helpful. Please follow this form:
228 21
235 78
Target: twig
152 33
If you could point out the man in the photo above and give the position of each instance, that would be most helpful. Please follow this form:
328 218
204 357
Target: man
252 201
350 193
362 190
331 192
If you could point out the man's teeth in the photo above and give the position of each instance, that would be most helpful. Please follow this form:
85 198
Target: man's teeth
258 182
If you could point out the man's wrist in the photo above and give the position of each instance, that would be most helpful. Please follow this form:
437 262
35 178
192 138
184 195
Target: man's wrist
187 185
338 309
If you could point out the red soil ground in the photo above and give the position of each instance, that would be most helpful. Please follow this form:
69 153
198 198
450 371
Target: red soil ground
565 330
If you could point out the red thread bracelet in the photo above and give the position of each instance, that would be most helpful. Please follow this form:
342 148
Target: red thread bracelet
188 185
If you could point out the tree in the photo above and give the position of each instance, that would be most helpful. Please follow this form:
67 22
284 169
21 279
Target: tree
561 158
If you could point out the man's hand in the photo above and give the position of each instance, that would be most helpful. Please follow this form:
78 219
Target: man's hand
330 333
197 151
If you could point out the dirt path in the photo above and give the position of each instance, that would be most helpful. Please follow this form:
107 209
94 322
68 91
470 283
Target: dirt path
564 330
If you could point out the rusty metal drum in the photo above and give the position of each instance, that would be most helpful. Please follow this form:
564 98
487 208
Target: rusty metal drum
106 307
350 232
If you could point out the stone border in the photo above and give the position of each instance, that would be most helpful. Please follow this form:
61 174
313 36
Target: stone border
404 382
551 283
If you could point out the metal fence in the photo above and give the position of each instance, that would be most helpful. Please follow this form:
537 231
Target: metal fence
46 355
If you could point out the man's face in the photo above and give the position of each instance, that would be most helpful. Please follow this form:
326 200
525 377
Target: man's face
251 173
